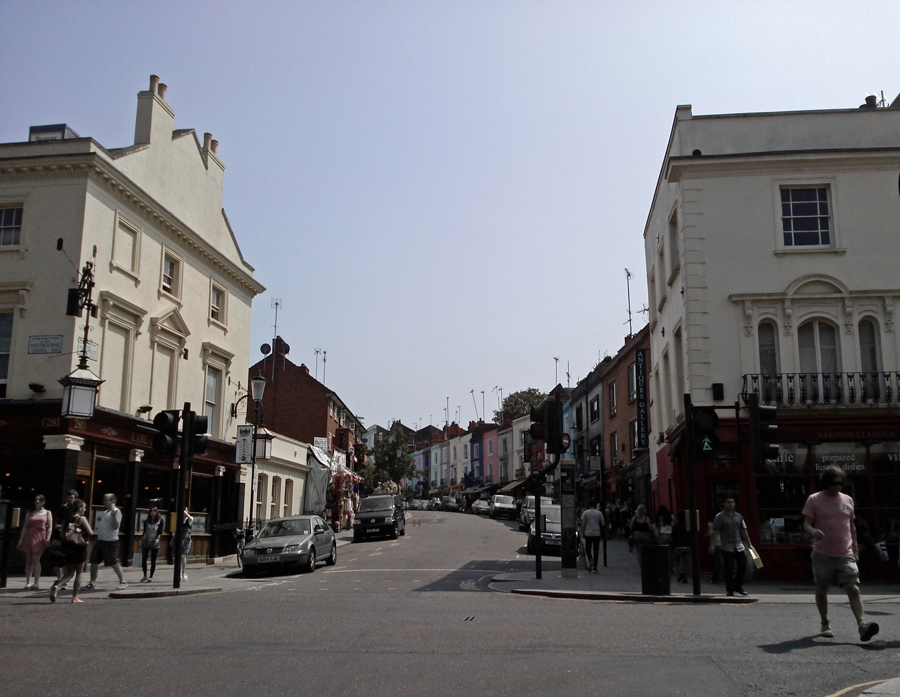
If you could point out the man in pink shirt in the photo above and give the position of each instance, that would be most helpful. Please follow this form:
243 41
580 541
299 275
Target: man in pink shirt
828 517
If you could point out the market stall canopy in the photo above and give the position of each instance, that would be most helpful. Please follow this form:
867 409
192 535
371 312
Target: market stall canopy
512 485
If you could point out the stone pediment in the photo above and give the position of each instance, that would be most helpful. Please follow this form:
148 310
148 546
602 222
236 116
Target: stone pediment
171 322
817 284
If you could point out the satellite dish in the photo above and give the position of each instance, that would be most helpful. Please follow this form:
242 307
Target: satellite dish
265 349
285 349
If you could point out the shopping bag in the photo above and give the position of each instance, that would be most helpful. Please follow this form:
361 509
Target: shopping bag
754 555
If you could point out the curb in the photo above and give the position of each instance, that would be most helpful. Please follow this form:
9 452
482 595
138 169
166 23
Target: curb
635 597
139 595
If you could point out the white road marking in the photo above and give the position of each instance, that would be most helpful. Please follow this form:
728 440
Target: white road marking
375 554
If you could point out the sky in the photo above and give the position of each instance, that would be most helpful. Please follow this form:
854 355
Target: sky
444 195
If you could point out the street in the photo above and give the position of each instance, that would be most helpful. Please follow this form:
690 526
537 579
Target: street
419 616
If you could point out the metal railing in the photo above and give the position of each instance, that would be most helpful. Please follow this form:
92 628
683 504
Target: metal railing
824 389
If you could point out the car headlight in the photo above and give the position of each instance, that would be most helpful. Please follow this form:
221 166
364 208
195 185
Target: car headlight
291 549
249 552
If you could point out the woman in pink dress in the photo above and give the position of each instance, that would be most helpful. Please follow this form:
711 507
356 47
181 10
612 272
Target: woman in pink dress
35 538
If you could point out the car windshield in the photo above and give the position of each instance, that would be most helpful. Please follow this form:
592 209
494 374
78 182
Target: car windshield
503 499
284 528
545 501
552 514
374 505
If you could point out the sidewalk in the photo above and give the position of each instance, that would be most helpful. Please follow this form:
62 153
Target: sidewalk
621 580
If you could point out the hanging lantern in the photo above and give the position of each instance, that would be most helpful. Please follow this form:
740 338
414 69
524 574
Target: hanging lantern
79 393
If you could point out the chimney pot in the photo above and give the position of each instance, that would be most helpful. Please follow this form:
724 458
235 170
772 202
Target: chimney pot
162 91
154 81
214 146
206 138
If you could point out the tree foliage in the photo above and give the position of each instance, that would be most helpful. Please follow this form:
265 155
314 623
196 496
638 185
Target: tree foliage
519 403
392 462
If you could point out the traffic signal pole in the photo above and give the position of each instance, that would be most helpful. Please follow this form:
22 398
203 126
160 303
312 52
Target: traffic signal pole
694 522
187 433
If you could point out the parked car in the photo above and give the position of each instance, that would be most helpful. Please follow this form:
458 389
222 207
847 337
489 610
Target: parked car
551 537
449 504
527 511
481 506
501 506
434 504
379 515
289 542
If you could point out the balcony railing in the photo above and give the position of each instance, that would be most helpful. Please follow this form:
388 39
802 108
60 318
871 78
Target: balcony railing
825 389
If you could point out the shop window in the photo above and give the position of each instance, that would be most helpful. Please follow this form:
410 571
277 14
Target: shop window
782 527
153 488
887 491
201 493
884 458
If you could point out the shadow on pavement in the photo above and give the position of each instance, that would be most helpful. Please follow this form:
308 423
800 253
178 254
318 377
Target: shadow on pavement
814 642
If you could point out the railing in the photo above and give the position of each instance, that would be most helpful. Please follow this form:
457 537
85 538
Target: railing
824 389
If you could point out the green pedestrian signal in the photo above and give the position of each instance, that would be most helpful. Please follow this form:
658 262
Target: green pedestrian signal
705 438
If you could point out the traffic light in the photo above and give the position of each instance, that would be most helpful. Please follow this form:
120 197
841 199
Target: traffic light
540 416
557 438
762 433
165 442
197 439
706 442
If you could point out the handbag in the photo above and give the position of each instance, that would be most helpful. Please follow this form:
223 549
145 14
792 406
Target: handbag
74 536
757 560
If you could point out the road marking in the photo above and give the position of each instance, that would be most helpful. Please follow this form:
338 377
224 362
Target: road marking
375 554
855 687
396 571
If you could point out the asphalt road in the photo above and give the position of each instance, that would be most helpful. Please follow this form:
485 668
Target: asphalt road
416 616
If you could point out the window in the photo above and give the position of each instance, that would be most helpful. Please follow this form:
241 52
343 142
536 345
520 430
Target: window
211 400
6 322
476 453
171 275
490 448
868 346
505 446
674 248
579 417
661 273
454 452
805 219
276 497
632 382
818 347
217 304
633 430
614 447
678 353
260 496
126 256
288 498
10 226
768 349
612 399
595 408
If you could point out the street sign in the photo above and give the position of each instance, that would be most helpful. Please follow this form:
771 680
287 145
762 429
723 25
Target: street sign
243 454
93 350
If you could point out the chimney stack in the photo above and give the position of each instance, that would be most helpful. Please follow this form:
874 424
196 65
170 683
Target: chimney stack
214 146
155 119
207 137
154 82
161 91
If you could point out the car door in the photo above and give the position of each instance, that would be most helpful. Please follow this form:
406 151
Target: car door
320 539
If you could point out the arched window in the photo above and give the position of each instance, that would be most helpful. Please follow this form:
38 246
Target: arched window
769 364
818 347
820 363
869 360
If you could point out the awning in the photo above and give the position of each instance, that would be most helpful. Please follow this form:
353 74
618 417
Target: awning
473 490
512 485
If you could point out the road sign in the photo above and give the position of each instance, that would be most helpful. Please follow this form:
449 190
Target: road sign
244 445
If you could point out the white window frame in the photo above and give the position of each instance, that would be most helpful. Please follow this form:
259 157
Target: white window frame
134 270
674 234
827 183
612 399
222 320
13 203
175 294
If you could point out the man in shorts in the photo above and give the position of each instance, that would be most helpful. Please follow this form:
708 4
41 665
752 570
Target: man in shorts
106 548
828 517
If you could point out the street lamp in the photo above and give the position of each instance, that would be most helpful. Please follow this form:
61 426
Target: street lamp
80 386
257 389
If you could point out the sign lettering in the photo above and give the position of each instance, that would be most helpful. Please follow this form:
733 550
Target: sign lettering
643 413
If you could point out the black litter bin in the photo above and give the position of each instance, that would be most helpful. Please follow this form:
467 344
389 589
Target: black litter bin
655 565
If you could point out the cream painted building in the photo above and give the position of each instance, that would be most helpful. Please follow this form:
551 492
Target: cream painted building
281 481
771 254
174 294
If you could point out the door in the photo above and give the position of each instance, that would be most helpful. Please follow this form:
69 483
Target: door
820 382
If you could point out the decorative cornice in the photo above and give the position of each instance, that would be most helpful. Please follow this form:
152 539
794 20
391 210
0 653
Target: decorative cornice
97 168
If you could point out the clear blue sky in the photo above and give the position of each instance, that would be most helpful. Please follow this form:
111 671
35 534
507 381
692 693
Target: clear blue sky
444 194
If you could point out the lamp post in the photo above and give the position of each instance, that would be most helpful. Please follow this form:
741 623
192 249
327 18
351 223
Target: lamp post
80 386
257 389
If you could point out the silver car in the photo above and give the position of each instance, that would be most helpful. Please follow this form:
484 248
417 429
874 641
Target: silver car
290 542
527 511
551 536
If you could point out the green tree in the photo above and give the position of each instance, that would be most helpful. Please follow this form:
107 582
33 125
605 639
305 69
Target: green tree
392 459
519 403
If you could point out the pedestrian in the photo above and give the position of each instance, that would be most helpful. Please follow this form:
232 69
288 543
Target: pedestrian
641 530
592 530
828 517
56 538
664 523
34 540
150 539
106 548
75 531
715 546
734 541
186 542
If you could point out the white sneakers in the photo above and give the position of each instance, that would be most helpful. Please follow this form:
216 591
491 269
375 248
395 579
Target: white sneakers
122 586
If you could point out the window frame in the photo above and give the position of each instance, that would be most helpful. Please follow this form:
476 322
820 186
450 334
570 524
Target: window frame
14 204
134 271
612 399
827 183
222 320
594 409
632 382
4 382
175 294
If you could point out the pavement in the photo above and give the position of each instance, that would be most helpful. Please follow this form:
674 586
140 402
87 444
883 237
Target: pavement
620 580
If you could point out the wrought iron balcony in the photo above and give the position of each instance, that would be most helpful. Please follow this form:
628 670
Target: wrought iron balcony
825 389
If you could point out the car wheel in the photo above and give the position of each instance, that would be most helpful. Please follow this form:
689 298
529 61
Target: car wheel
332 559
311 564
403 531
249 573
357 537
395 532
